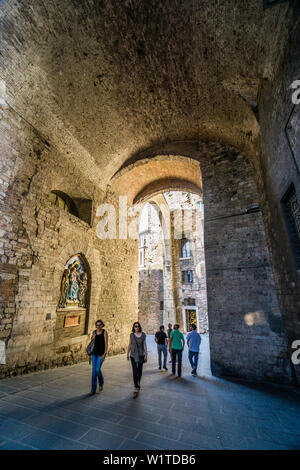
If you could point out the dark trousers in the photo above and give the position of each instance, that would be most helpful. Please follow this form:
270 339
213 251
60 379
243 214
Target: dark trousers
162 349
175 353
137 370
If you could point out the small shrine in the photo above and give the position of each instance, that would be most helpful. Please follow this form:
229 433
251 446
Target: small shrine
73 302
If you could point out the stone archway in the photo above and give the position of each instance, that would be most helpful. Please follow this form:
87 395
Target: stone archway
247 338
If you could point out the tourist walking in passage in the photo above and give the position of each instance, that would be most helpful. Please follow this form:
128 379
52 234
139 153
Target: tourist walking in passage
100 337
162 340
169 330
177 346
137 352
193 342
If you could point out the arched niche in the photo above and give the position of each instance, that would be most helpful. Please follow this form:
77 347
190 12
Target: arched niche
74 299
63 201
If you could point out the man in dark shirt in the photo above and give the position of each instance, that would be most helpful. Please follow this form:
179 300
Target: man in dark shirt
161 340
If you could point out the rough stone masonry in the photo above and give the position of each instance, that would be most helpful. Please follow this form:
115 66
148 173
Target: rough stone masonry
102 99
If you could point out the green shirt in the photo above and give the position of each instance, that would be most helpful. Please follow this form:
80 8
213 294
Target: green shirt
176 337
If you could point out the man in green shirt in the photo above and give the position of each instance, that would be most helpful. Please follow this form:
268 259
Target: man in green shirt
177 346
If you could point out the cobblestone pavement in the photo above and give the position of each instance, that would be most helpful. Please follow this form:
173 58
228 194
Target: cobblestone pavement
51 410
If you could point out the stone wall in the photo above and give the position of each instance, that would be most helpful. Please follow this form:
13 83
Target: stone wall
151 294
279 167
37 239
246 332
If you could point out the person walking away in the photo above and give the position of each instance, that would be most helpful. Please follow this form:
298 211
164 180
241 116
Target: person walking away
177 347
169 330
161 339
137 352
193 342
100 337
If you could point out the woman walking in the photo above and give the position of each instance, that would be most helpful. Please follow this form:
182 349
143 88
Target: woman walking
137 351
100 337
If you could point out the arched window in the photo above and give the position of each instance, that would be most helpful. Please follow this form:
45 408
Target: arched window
62 200
185 251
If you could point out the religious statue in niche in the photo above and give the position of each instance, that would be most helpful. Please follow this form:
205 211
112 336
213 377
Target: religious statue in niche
74 284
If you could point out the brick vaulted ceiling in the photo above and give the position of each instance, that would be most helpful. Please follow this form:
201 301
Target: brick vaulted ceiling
103 80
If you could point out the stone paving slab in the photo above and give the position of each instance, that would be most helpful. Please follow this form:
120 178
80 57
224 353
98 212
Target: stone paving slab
51 410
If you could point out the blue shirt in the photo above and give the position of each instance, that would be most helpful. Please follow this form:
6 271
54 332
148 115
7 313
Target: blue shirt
194 339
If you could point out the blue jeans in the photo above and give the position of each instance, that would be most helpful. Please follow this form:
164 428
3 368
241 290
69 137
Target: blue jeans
97 362
193 358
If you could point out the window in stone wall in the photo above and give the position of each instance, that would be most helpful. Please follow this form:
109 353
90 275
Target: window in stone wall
79 207
187 277
141 257
63 201
185 250
291 210
142 241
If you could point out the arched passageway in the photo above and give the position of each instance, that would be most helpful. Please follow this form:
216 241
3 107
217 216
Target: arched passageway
152 111
243 311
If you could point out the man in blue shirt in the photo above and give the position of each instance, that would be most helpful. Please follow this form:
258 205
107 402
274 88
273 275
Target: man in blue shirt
193 342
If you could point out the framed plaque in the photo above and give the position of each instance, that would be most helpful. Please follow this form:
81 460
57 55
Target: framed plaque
72 320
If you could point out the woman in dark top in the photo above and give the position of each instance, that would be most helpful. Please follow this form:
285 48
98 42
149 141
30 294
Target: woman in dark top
137 351
101 343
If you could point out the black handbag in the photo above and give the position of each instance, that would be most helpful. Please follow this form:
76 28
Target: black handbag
90 348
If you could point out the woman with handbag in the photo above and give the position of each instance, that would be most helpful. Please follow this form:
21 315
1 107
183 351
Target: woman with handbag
100 339
137 351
